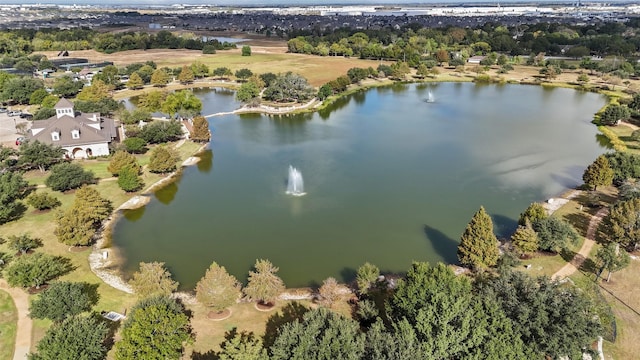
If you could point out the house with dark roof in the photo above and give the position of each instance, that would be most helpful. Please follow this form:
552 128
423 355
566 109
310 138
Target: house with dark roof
81 135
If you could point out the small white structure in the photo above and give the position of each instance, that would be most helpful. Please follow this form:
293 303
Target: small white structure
81 135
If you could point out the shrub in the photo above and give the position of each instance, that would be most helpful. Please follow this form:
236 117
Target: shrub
135 145
129 180
163 160
67 176
43 201
120 160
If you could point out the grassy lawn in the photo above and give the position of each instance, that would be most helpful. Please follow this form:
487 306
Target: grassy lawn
8 326
624 133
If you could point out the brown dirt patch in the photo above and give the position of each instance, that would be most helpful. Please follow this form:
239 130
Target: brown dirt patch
260 306
219 315
78 249
34 290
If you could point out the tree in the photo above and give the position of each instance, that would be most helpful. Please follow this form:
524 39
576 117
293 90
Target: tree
13 187
183 103
77 337
267 78
160 78
533 213
478 246
19 89
34 154
161 131
121 159
199 69
163 160
37 97
135 82
78 225
95 92
43 201
67 176
612 258
442 56
599 173
146 72
222 72
290 87
66 87
186 75
200 131
217 289
135 145
525 239
613 114
35 269
366 277
625 166
264 285
152 279
321 334
247 92
156 328
129 179
243 74
63 299
555 234
622 224
44 113
583 78
553 319
23 243
329 291
246 50
325 91
110 76
242 346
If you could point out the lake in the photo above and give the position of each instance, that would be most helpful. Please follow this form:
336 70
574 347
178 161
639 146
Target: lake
389 178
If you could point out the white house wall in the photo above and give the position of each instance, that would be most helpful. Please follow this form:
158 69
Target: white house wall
96 150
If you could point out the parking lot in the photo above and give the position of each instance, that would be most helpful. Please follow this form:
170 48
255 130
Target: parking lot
8 133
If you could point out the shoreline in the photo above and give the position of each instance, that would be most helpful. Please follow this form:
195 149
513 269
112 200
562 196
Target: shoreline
106 266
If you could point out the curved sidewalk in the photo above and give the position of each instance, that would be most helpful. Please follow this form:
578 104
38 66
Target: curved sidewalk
23 332
589 240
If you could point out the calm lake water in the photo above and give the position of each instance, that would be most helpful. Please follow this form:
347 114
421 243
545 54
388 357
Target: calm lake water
389 178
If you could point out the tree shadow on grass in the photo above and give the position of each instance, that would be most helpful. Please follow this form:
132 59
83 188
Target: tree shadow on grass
589 266
445 246
209 355
291 312
580 221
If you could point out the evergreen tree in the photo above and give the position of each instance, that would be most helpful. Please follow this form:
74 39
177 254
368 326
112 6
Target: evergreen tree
163 160
217 289
63 299
78 225
135 82
366 277
129 180
612 258
264 285
478 246
43 200
13 187
152 280
200 131
121 159
23 243
599 173
160 78
186 75
35 270
622 224
555 234
67 176
533 213
243 346
525 239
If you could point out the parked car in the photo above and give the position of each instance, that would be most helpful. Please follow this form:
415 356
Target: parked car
3 110
14 113
26 116
19 140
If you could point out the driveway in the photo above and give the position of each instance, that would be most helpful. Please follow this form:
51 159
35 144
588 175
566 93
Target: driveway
8 132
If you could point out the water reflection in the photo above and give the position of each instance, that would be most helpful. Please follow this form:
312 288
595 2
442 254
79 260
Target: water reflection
206 161
134 215
167 193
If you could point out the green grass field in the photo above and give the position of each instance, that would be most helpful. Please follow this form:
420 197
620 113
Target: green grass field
8 326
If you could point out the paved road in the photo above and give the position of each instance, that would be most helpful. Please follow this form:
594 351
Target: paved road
8 132
23 333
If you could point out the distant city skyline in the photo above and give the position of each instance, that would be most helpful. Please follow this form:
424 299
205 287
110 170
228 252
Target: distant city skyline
258 3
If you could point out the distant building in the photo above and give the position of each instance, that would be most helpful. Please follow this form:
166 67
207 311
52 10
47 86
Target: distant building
155 26
475 59
81 135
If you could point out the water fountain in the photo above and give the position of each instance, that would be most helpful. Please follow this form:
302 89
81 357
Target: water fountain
295 184
430 97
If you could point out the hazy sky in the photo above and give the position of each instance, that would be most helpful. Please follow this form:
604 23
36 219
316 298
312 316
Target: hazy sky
266 2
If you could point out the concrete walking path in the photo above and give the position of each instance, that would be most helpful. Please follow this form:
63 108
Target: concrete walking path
23 332
575 263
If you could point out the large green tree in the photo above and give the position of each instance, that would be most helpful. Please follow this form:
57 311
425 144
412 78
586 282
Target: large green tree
156 328
160 78
366 276
182 103
599 173
247 92
37 155
63 299
186 75
217 289
163 160
200 132
555 234
321 334
161 131
525 239
129 179
289 87
67 176
152 280
612 258
35 270
77 337
78 225
534 212
242 346
121 159
622 224
19 89
13 187
135 82
65 86
264 285
479 245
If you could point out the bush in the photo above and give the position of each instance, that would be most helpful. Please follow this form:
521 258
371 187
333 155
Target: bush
67 176
135 145
161 131
43 201
208 49
120 160
246 50
163 160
